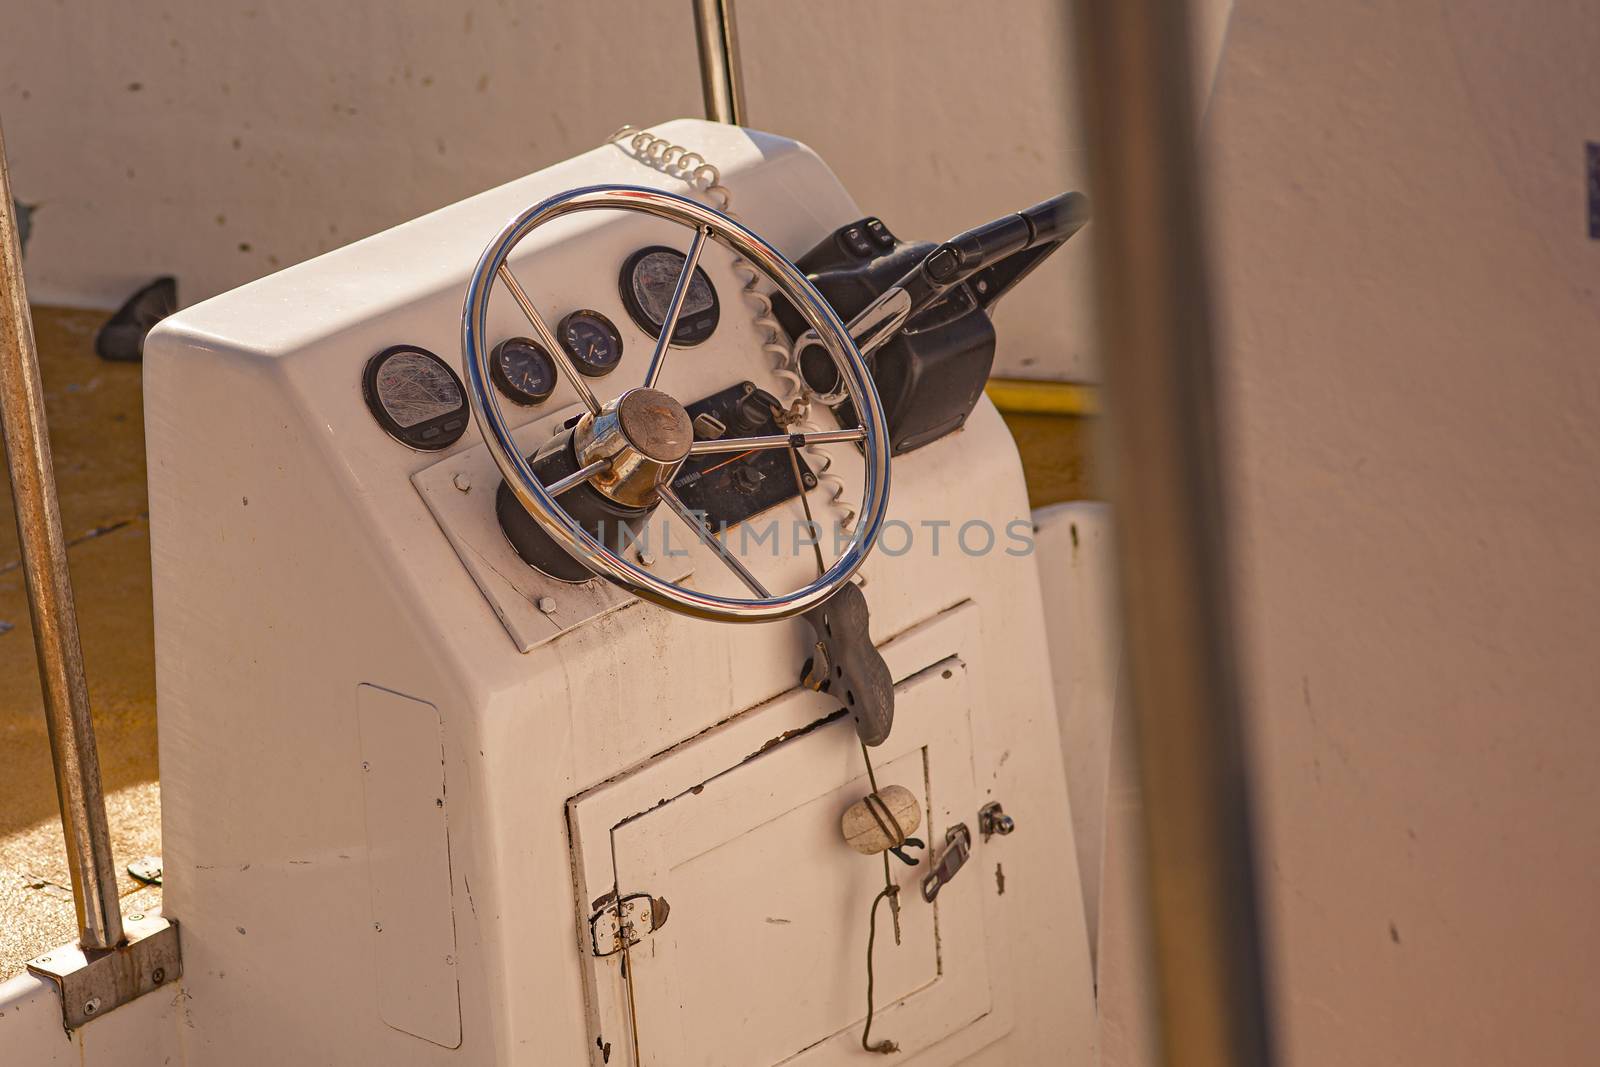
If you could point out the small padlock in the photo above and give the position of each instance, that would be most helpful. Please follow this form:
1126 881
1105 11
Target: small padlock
881 820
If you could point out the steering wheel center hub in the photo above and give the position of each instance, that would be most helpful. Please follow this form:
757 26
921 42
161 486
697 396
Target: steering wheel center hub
644 436
655 424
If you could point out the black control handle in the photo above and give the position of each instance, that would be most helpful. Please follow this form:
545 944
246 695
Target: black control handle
1039 230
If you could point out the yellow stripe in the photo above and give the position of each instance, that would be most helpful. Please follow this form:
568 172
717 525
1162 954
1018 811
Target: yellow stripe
1019 396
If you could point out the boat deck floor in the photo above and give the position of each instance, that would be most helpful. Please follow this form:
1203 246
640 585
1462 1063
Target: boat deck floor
96 419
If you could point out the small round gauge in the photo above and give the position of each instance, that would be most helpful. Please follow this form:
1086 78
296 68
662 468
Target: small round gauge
648 279
523 370
593 342
416 397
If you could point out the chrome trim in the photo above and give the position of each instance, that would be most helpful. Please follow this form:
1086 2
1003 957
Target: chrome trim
542 505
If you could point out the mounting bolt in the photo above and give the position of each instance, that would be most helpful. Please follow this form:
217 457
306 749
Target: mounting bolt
463 482
547 604
91 1006
158 975
646 559
136 918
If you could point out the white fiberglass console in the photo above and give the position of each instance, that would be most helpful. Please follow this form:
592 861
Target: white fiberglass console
425 803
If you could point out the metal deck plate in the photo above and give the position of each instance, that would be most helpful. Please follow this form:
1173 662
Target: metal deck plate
92 984
514 589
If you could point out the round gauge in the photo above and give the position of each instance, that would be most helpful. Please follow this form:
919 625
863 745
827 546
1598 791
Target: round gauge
415 397
648 279
593 342
523 370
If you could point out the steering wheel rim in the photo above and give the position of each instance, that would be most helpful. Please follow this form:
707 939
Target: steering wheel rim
543 506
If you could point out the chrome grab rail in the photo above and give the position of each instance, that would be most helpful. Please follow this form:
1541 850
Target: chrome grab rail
55 617
721 79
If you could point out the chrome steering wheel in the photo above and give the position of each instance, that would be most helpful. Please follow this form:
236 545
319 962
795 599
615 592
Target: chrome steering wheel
631 446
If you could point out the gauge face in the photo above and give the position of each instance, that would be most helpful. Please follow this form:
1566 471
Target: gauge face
593 342
523 370
648 279
415 397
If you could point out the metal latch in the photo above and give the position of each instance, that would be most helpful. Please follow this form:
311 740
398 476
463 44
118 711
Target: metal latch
626 922
957 846
994 820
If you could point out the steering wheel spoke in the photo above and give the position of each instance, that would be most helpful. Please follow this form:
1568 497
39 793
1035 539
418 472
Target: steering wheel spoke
709 539
557 350
776 440
680 292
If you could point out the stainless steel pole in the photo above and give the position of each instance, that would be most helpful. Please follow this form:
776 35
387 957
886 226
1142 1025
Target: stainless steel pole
1165 434
721 78
55 619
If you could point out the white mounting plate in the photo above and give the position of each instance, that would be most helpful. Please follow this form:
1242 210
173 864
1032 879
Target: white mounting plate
512 587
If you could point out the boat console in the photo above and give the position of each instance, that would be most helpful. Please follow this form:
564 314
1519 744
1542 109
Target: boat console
596 624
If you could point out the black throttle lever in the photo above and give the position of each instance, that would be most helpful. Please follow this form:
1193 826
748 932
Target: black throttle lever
1038 230
1010 246
847 666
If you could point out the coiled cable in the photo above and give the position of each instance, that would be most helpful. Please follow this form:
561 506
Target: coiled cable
705 178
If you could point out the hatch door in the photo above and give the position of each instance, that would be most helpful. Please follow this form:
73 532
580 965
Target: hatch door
746 914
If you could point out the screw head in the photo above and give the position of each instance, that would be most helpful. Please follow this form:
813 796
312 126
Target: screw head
135 918
158 975
547 604
91 1006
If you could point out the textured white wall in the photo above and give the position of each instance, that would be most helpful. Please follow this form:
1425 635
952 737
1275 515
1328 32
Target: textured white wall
222 139
1412 304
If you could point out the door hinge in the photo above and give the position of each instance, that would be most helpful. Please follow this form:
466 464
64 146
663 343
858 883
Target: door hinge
626 922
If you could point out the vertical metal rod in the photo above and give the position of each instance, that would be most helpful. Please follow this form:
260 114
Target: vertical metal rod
55 619
721 78
1165 436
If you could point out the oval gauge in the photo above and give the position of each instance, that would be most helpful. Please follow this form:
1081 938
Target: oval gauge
416 397
648 279
592 341
523 370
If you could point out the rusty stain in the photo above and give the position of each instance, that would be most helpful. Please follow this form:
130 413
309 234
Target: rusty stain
999 880
778 922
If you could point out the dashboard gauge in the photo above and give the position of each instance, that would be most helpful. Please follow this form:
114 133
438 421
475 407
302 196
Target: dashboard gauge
523 370
593 342
416 397
648 279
